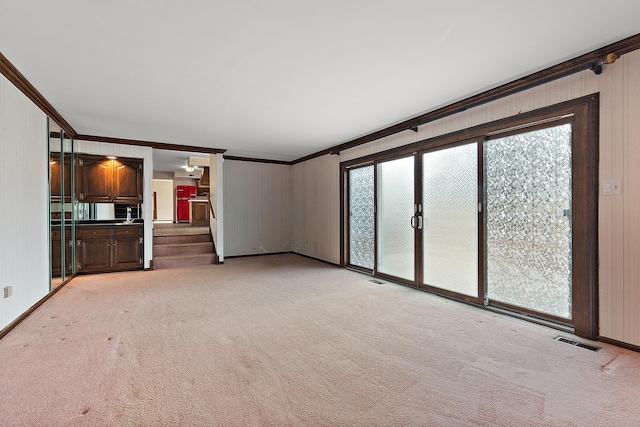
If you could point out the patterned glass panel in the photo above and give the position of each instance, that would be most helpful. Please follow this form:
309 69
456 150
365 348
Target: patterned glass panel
396 239
450 231
361 217
529 220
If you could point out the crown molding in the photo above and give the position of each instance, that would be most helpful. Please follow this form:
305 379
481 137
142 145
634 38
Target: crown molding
156 145
14 76
256 160
588 61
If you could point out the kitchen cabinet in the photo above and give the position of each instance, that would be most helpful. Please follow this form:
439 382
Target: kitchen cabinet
199 212
103 180
56 251
127 248
102 249
56 183
203 182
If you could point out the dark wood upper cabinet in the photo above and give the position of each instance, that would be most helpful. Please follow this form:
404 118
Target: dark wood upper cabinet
56 187
104 180
95 179
127 180
204 178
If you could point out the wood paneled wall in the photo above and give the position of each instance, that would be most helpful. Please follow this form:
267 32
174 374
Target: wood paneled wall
315 223
257 208
316 198
24 188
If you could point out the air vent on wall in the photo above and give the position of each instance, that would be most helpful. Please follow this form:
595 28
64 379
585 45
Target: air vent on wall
578 344
198 161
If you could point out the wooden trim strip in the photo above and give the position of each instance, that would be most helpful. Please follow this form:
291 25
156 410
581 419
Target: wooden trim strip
33 308
256 160
19 81
465 136
213 214
260 254
156 145
315 259
619 343
581 63
56 135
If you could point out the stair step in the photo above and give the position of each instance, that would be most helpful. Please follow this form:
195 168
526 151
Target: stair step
187 238
182 261
182 249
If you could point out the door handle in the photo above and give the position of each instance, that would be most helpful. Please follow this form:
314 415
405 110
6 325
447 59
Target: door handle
413 221
419 222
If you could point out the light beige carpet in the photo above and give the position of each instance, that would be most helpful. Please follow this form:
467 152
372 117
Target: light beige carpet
183 229
288 341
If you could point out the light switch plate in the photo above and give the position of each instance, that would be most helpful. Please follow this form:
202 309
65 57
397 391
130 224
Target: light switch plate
7 291
611 187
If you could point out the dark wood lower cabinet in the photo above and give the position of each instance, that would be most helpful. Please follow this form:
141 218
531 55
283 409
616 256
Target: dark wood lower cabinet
127 248
104 249
56 251
199 213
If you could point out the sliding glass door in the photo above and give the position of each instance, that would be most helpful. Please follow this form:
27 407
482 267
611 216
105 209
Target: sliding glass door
528 222
397 219
506 218
362 217
450 232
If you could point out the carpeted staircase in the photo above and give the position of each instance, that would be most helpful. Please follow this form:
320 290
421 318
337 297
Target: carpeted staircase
183 248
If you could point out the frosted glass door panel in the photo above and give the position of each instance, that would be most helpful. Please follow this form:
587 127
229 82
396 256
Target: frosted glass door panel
450 210
528 180
361 217
395 182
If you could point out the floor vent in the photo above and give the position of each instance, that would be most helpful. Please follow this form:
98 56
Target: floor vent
377 282
578 344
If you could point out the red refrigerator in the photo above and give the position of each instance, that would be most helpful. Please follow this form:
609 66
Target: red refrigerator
183 194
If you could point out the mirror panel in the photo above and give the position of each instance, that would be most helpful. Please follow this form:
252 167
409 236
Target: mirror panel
61 203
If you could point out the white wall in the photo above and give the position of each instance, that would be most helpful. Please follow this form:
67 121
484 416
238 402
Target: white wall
136 152
216 221
24 188
316 189
164 199
316 192
257 208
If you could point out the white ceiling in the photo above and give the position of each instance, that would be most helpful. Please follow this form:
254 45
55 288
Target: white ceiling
171 161
282 79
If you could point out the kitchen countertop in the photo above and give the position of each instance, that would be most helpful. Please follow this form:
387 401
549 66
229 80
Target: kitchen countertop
109 223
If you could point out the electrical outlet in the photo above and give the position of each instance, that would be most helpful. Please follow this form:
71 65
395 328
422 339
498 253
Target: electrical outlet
7 291
611 187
